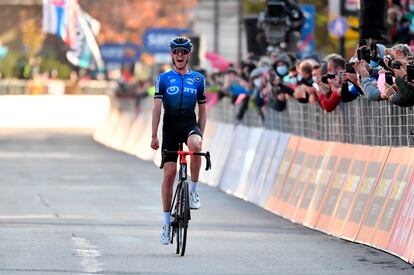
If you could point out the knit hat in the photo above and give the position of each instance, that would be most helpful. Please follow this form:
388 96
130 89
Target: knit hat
283 58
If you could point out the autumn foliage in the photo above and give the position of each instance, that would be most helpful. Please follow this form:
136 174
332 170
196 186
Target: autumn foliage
126 20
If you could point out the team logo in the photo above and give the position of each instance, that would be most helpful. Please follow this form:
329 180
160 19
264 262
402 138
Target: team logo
190 90
189 81
197 78
172 90
172 80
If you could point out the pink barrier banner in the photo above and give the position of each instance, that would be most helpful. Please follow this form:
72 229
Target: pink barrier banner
402 174
308 206
345 154
283 171
402 237
311 205
312 150
355 195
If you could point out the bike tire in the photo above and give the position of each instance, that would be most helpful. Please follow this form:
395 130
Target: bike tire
177 220
185 216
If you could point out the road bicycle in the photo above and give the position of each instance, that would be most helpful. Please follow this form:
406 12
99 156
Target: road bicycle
180 206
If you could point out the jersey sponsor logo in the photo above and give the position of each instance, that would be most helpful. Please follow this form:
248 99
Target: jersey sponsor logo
189 81
190 90
197 78
172 90
172 80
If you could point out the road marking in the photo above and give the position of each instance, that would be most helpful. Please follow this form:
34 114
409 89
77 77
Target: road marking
42 155
89 255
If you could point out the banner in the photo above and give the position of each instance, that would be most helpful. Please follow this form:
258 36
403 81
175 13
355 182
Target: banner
59 18
308 206
85 52
286 164
65 19
403 172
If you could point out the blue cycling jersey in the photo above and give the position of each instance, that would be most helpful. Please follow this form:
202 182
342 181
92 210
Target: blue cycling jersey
180 93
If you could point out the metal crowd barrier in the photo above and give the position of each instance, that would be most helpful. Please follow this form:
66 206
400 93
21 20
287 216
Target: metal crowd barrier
358 122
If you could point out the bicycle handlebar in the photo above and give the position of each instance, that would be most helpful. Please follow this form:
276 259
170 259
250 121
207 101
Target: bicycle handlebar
187 153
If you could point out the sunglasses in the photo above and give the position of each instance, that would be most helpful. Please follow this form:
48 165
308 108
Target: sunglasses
180 51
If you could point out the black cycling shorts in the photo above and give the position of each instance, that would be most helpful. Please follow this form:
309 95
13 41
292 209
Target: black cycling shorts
173 133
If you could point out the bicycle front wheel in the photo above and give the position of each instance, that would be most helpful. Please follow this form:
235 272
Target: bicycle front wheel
184 211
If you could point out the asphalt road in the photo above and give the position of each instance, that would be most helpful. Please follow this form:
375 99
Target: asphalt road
71 206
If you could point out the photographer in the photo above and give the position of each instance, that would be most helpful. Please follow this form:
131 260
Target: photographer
304 91
402 93
368 83
327 90
350 89
279 91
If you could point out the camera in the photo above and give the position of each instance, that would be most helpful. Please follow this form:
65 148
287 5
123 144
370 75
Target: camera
364 54
388 78
410 73
393 64
349 68
275 22
325 79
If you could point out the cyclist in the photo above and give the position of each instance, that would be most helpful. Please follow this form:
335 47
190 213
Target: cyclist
178 90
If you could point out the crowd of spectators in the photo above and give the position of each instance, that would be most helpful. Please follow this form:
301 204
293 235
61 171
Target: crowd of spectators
377 71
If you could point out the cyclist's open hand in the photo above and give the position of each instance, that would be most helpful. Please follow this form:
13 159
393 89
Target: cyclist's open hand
155 144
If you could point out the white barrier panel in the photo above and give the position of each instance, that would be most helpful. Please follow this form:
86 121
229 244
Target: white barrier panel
122 130
263 158
99 134
239 159
267 178
249 149
222 141
46 111
208 137
144 146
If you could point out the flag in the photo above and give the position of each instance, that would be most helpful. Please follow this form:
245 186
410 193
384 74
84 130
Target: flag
65 19
85 52
217 61
59 18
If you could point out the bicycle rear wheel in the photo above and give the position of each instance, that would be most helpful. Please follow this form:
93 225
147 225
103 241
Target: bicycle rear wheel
184 214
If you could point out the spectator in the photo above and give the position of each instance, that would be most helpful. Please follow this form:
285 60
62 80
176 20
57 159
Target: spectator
328 94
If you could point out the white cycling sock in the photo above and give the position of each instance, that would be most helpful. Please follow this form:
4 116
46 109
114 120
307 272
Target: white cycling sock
166 218
193 186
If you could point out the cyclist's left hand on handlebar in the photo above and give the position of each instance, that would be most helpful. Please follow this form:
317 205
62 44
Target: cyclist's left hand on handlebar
155 144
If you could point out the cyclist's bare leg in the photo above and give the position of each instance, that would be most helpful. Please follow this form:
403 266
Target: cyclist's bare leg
170 169
194 143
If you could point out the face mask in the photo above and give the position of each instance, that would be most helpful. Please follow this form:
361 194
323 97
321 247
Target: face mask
299 77
282 70
293 81
373 64
257 82
314 79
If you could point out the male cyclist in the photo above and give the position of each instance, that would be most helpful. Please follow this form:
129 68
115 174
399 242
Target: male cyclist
179 90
